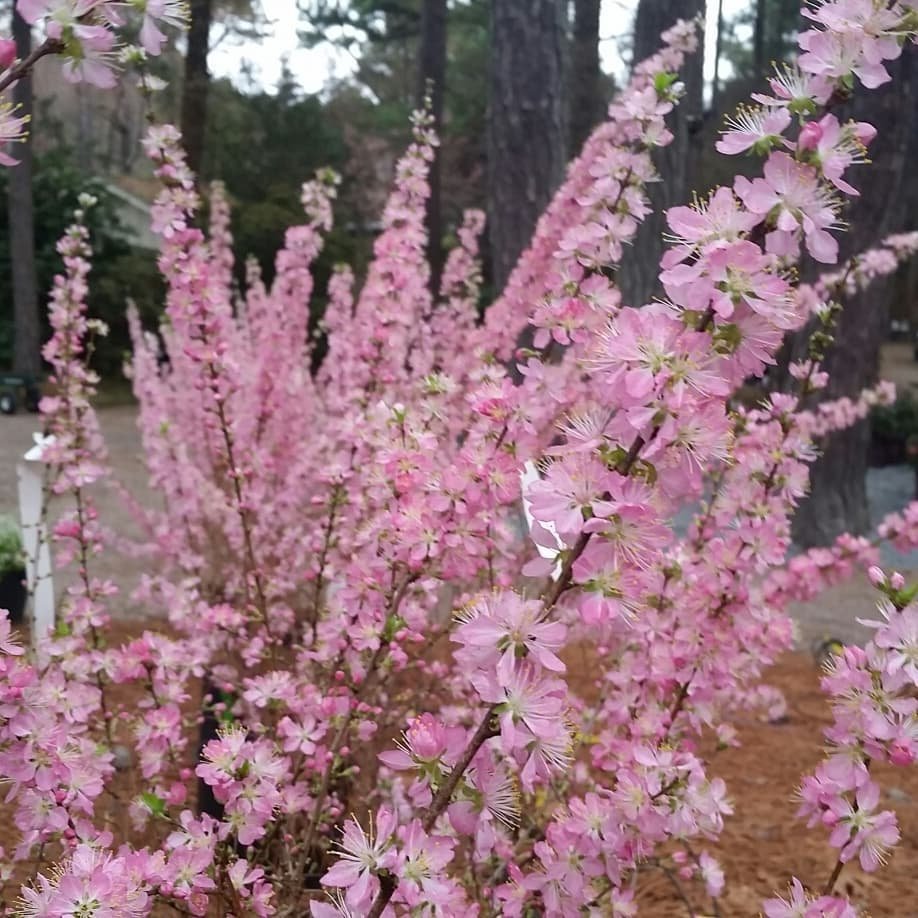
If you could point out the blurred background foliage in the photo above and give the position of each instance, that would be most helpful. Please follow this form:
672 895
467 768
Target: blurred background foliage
120 271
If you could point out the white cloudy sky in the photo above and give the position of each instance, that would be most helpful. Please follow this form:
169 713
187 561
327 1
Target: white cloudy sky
313 67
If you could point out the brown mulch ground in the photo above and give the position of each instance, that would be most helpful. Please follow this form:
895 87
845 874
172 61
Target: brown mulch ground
763 845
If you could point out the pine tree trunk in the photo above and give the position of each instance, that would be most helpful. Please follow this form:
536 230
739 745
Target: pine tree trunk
26 320
758 40
197 83
586 108
432 80
838 499
638 277
718 54
527 129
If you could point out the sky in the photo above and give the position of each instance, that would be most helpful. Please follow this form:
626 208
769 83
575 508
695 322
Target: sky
313 67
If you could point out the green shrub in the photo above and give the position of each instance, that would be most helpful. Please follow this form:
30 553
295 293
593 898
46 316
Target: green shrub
119 271
12 556
897 421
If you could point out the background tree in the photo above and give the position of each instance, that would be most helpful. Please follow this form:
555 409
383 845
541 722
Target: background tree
586 96
197 81
351 24
26 321
762 32
399 47
758 37
675 163
838 495
242 17
263 146
431 81
527 130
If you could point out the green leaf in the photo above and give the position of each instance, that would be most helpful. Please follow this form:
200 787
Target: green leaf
662 82
156 805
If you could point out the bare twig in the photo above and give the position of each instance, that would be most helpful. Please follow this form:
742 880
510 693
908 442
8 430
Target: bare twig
22 68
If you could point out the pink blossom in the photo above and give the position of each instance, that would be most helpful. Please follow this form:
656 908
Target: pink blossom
800 905
168 12
8 645
505 628
715 221
361 856
858 35
12 130
420 865
838 146
791 196
899 637
758 129
861 831
427 742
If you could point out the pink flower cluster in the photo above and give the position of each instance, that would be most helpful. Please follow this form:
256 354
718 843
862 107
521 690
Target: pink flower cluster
875 713
385 645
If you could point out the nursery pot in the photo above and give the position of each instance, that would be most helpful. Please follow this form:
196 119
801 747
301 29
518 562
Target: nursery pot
13 594
886 450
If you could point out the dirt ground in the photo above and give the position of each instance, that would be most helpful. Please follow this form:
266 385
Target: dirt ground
763 844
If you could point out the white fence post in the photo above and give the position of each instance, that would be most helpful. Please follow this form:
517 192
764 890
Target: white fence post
528 475
35 539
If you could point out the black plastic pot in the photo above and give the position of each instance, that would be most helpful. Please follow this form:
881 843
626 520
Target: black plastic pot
886 450
13 594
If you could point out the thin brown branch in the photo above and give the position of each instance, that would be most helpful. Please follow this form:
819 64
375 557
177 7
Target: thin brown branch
22 68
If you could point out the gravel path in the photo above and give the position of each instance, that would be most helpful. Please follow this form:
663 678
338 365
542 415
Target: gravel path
833 615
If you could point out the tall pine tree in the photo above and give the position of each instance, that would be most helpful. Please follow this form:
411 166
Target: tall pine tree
527 125
26 321
674 163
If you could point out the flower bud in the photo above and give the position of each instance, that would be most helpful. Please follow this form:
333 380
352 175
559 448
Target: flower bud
7 53
810 135
901 753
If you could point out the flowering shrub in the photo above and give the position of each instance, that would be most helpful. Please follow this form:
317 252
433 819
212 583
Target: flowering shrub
377 571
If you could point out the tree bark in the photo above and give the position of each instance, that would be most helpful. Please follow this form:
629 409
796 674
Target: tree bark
718 54
526 123
197 83
837 501
674 163
586 103
26 319
432 82
758 40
